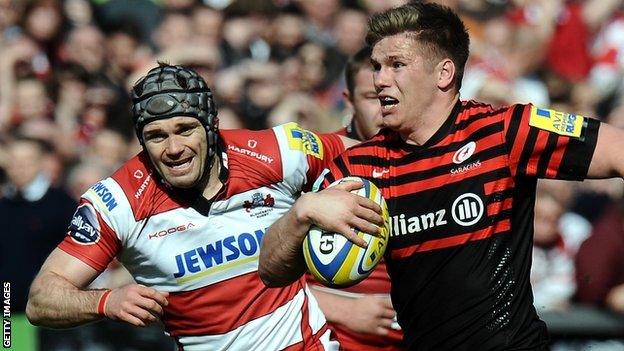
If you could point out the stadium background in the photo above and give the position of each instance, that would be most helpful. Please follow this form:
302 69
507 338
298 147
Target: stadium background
66 67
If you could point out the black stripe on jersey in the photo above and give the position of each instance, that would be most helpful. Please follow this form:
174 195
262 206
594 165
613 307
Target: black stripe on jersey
342 167
422 154
503 214
527 150
330 177
514 126
578 153
500 195
468 121
551 144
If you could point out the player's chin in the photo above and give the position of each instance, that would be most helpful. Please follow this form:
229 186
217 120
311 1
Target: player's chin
183 182
391 121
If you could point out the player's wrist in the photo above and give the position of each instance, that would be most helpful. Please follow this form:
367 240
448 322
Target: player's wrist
101 304
301 209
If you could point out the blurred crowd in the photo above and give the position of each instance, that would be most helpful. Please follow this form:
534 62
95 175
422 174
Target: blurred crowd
66 67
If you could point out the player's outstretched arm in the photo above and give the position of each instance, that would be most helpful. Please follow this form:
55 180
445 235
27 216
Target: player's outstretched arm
334 209
608 158
58 298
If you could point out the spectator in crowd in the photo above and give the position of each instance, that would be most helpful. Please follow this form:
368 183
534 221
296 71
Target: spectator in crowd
552 271
34 219
86 47
600 262
361 97
287 34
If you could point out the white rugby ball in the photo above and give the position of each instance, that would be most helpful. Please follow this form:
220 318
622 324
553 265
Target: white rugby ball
337 262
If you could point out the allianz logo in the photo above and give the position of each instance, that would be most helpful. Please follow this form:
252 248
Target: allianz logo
466 210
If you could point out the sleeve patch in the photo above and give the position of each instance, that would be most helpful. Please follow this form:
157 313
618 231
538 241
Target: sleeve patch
85 228
303 140
562 123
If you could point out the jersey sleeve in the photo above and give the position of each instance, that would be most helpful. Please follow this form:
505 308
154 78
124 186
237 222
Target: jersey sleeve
336 169
546 143
92 234
305 154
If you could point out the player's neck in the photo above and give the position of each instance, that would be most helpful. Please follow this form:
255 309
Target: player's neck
213 183
428 122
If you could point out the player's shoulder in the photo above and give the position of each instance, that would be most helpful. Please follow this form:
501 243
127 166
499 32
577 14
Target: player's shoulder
475 110
246 141
251 149
384 138
134 187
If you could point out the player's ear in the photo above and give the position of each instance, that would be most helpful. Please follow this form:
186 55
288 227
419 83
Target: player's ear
347 98
446 73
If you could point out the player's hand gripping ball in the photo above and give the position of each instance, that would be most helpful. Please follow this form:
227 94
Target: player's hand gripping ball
336 261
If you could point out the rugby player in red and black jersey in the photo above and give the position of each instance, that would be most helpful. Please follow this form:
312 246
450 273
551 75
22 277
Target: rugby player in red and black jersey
459 178
362 315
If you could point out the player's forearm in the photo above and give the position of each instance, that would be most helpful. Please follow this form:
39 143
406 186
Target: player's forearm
281 256
337 309
55 303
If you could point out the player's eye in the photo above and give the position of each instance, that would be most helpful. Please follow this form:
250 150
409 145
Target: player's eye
186 131
155 137
397 64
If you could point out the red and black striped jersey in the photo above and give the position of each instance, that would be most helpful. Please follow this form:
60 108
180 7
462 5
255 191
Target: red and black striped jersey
461 208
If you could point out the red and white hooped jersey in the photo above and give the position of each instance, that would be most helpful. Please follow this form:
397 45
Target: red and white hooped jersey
207 258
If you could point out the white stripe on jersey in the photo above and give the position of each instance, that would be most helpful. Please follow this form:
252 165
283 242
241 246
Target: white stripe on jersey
259 334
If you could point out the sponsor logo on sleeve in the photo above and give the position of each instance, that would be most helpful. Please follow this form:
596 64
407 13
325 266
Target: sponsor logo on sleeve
84 228
562 123
303 140
105 195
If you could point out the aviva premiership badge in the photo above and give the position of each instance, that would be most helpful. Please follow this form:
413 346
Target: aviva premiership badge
562 123
303 140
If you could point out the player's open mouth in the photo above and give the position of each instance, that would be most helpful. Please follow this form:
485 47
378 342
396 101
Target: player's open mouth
181 165
387 103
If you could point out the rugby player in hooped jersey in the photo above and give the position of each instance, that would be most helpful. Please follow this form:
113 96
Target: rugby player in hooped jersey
459 178
186 217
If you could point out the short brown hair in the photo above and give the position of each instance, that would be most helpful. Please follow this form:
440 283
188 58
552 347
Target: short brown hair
434 26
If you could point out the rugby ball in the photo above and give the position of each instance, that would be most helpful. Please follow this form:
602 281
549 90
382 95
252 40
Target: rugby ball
337 262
